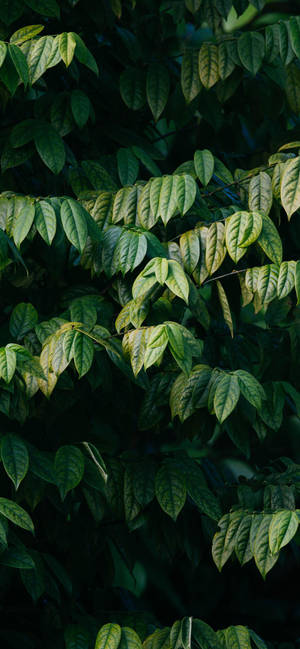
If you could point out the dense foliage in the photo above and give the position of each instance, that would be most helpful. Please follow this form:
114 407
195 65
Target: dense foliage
150 327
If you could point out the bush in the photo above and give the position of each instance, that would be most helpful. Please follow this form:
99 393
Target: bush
150 282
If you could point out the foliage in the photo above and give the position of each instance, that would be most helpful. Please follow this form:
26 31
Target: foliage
150 289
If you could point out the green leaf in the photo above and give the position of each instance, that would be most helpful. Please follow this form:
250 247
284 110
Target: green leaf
205 636
41 464
260 644
186 189
226 396
23 318
69 468
156 345
7 364
45 221
128 166
237 637
294 28
260 546
76 637
84 310
193 5
215 247
163 198
267 282
190 81
22 223
292 87
16 514
67 44
250 388
129 639
286 279
226 64
17 558
80 106
283 527
3 52
177 281
204 165
157 88
251 49
84 55
144 482
224 540
147 161
132 88
205 500
39 56
50 148
15 458
145 280
20 63
130 251
44 7
242 545
25 34
108 637
269 240
187 391
83 353
297 281
260 193
23 132
225 307
242 228
179 345
170 490
290 187
190 250
208 65
74 223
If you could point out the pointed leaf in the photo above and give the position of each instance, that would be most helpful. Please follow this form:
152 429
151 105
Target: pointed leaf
50 148
283 527
290 187
224 540
158 86
260 193
250 388
69 468
260 543
16 514
15 458
7 364
225 307
208 65
190 250
251 49
269 240
226 396
83 353
190 81
108 637
74 223
215 247
170 490
204 165
67 44
185 192
176 280
45 221
23 318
